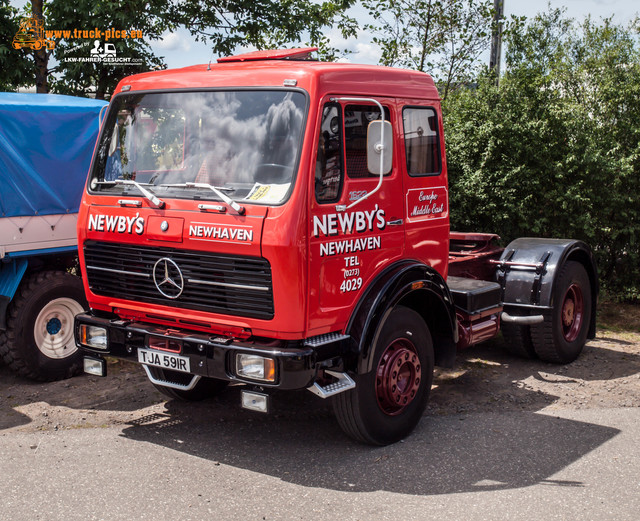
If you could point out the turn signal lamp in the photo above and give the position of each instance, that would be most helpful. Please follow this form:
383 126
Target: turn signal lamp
93 336
254 367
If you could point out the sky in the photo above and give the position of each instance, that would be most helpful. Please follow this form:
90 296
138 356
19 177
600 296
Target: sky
179 49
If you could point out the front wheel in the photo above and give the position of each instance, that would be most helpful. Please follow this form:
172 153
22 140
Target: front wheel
562 335
388 402
39 341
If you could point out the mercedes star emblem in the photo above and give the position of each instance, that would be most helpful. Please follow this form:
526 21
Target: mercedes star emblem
168 278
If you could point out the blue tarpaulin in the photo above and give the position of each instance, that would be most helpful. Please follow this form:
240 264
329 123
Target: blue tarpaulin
46 143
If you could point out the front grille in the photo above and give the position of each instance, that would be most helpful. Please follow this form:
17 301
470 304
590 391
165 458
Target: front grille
229 284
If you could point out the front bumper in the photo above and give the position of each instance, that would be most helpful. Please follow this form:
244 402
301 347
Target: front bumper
297 365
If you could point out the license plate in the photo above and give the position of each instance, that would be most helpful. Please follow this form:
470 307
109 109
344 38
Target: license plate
164 360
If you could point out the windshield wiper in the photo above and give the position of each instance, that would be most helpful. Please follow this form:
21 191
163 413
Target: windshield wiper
216 190
158 203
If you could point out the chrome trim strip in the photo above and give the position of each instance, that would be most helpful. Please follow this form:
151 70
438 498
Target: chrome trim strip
110 270
227 285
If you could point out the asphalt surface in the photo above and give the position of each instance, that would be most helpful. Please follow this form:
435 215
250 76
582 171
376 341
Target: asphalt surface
193 463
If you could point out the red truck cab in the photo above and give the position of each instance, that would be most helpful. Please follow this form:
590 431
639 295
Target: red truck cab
284 223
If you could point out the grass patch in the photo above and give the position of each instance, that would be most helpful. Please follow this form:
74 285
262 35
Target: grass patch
618 317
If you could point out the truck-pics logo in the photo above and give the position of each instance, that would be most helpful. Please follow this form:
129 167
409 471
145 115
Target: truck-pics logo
31 35
116 223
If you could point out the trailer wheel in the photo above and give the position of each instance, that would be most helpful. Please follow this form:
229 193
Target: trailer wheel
40 341
205 388
388 402
562 335
518 341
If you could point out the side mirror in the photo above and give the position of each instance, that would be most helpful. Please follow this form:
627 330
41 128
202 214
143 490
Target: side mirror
377 148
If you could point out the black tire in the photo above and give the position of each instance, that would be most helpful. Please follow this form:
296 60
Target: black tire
205 388
563 334
517 340
3 341
47 300
369 413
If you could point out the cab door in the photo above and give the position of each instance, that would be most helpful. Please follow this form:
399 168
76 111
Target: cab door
349 246
424 175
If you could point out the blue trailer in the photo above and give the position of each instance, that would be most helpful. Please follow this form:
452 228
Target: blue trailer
46 144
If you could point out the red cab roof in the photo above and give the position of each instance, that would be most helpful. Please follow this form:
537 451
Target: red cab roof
275 67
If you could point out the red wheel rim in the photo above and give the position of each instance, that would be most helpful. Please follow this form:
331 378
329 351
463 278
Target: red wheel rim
572 314
398 376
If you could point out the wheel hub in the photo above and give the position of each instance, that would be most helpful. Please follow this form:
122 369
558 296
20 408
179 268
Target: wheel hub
54 326
572 313
398 376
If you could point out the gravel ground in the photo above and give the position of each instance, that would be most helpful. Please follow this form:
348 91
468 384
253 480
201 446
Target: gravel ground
486 379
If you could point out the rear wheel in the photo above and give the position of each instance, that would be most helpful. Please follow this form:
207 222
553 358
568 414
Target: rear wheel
517 340
39 340
562 335
388 402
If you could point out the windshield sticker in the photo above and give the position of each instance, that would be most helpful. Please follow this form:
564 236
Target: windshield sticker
207 232
353 119
268 193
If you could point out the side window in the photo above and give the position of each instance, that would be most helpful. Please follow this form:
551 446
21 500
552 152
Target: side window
421 141
356 122
329 160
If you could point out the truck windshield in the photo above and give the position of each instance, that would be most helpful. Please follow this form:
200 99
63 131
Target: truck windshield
245 143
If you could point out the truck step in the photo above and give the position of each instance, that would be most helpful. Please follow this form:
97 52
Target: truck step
173 385
474 296
344 383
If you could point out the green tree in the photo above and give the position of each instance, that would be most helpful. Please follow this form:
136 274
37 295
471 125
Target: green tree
81 78
16 71
264 24
442 37
223 24
555 151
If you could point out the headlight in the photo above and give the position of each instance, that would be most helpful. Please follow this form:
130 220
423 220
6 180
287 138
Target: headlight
93 336
256 367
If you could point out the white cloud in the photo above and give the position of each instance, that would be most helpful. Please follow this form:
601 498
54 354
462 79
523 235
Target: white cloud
361 48
174 42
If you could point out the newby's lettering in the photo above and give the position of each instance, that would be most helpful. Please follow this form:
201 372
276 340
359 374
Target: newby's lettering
346 223
116 223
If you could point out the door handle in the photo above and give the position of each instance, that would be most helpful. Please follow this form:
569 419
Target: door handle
397 222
